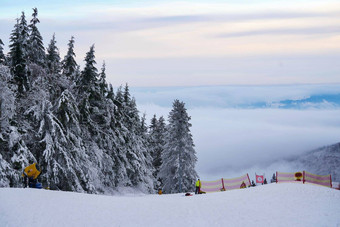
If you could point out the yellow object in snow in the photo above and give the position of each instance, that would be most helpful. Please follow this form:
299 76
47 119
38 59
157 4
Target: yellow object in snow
198 183
31 171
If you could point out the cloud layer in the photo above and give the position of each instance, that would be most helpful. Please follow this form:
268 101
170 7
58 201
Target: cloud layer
232 141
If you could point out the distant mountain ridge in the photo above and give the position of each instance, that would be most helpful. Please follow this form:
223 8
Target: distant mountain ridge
322 101
322 161
245 97
316 101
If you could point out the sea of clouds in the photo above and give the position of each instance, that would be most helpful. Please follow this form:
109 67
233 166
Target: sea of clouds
233 135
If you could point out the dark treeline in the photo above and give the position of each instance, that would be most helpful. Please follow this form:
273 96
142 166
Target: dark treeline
85 136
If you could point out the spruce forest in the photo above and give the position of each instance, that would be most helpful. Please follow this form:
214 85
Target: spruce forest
85 136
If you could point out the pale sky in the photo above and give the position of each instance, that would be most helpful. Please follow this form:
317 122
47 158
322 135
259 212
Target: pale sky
195 43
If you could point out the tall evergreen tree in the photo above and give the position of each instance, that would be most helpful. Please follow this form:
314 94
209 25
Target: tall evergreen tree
69 64
177 171
53 57
88 90
157 134
18 54
36 49
110 93
89 74
60 81
102 80
7 111
24 33
2 55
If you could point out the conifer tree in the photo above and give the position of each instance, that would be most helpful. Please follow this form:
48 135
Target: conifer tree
273 180
156 142
7 111
69 64
88 90
102 81
18 54
110 93
24 38
139 167
62 160
53 57
6 172
24 33
88 79
2 55
36 49
177 171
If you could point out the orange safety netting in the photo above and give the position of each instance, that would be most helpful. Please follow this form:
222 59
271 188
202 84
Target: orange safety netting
225 184
304 177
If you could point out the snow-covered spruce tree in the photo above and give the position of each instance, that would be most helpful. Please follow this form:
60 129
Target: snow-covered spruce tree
68 114
7 106
36 46
102 81
156 145
2 55
139 164
69 64
8 176
95 117
18 54
89 92
53 57
120 132
19 129
177 171
59 82
62 161
5 172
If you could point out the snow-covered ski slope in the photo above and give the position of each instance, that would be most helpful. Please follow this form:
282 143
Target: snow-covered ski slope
286 204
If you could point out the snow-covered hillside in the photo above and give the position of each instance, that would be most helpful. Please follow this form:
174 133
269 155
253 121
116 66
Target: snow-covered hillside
323 161
288 204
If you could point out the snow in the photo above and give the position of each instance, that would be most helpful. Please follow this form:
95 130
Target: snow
286 204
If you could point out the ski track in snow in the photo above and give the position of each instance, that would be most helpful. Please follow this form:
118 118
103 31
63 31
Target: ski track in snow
288 204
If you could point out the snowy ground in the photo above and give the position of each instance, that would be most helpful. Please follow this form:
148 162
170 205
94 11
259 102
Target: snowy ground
286 204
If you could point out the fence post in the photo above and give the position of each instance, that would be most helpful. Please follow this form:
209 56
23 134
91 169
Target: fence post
330 178
223 185
276 176
303 179
248 179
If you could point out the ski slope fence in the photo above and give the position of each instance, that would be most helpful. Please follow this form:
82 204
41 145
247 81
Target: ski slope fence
325 180
224 184
212 186
235 183
304 177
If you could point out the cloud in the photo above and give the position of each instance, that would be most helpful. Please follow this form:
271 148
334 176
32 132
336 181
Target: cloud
181 44
286 31
232 141
237 17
